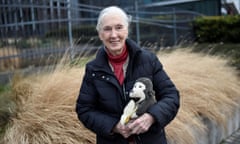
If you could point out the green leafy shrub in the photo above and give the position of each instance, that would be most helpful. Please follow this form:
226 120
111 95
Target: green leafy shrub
217 29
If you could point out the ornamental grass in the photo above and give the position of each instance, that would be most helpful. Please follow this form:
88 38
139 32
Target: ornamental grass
209 90
210 95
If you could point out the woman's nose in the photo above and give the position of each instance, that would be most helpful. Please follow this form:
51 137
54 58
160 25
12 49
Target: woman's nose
113 33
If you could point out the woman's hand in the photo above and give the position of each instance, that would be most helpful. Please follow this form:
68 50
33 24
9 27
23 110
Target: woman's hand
136 126
122 129
141 124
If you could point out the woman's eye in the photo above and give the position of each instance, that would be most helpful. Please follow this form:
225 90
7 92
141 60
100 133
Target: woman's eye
107 29
119 27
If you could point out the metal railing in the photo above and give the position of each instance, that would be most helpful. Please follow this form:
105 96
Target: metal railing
25 27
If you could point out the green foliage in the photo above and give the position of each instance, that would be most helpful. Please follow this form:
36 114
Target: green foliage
217 29
7 107
85 33
23 44
4 88
28 43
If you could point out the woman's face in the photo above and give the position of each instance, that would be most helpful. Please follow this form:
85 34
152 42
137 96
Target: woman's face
113 33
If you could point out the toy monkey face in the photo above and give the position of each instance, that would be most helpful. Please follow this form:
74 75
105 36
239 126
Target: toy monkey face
137 93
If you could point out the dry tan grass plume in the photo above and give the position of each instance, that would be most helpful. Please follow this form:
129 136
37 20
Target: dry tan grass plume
209 90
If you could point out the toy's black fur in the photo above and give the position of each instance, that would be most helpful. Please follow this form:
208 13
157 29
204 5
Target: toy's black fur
149 96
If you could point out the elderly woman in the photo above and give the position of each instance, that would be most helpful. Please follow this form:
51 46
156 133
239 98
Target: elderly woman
110 76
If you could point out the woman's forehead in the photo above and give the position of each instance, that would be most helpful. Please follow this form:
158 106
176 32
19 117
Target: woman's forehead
113 19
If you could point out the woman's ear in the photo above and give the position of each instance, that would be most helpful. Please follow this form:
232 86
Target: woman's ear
100 36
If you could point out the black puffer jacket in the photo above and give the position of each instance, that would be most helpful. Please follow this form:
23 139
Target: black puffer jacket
101 99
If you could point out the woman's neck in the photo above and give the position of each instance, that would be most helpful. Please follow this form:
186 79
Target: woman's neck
121 57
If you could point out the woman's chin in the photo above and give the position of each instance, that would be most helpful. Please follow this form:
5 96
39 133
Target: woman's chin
115 50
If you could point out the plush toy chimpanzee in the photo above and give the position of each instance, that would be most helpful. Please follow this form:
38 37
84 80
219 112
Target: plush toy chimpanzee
142 97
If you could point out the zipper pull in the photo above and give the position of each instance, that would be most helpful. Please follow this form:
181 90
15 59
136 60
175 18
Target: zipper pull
124 93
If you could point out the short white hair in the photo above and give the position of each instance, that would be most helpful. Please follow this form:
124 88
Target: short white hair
112 10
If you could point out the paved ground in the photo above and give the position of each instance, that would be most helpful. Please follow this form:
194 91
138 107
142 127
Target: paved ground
233 139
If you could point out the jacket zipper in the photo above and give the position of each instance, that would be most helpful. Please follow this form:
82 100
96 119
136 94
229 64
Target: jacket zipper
138 141
124 93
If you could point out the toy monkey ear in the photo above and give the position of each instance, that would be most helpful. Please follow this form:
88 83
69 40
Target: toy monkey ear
151 93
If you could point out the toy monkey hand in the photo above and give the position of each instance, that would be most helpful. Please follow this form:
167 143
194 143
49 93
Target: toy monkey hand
128 112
